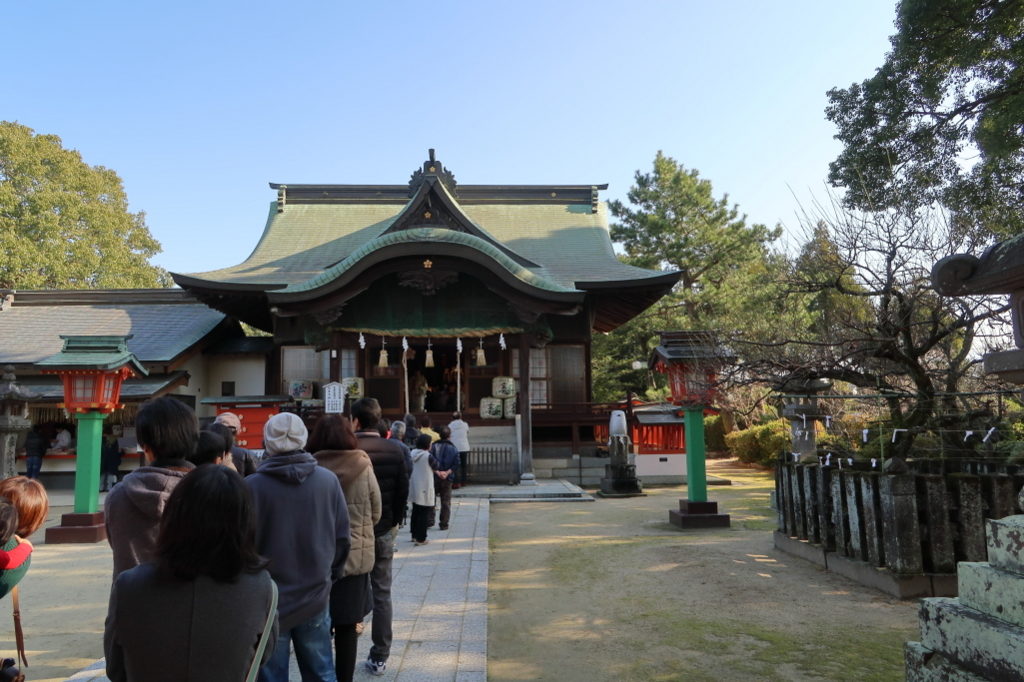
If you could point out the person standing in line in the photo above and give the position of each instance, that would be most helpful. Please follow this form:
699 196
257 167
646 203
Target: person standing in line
421 489
398 435
446 467
424 422
166 619
245 461
35 448
460 439
411 432
393 479
334 445
167 431
302 527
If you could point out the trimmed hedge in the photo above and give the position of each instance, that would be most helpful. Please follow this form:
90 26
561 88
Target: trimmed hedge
714 434
759 444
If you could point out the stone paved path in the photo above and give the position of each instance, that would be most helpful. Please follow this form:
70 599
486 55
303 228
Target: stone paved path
439 596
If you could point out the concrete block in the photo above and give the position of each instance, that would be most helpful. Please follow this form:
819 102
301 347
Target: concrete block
901 586
997 593
1006 543
976 641
800 548
924 665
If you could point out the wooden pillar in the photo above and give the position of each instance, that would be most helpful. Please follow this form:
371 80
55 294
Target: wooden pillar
525 409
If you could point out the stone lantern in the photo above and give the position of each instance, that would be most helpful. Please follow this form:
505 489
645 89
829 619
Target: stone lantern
692 360
803 413
13 419
92 369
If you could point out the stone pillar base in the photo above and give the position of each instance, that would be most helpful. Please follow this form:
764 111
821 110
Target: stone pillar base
698 515
75 527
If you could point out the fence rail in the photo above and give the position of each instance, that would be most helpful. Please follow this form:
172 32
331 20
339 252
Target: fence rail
923 521
493 465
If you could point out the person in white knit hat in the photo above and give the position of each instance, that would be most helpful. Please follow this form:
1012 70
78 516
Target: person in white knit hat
299 505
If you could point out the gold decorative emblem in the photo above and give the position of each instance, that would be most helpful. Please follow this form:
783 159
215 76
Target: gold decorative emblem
427 264
427 215
433 169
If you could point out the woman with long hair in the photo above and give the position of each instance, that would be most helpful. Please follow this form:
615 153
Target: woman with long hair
333 443
168 619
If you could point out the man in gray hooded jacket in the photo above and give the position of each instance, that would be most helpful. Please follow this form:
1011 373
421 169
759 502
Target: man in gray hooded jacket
302 526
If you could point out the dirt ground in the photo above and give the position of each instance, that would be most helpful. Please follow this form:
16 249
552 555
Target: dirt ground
609 590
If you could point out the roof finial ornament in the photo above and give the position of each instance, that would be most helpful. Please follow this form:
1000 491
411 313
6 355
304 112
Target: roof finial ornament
432 168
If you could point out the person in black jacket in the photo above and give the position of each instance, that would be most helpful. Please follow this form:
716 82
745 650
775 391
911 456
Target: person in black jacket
393 480
445 458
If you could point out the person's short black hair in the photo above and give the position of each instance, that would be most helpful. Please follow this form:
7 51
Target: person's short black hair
225 432
209 448
8 520
410 421
209 527
367 412
168 427
423 441
424 421
444 432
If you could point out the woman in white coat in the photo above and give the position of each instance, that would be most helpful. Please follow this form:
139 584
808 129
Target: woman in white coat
421 489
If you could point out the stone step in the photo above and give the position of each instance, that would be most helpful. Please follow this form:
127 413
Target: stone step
924 665
1006 543
974 640
997 593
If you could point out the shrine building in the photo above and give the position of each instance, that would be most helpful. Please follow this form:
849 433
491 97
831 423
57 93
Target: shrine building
431 296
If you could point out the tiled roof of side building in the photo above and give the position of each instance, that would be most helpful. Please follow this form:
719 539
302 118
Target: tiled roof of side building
160 331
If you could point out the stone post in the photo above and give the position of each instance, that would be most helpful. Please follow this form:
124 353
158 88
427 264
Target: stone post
14 420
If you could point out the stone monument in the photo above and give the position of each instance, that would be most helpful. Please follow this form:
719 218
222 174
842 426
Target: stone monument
620 475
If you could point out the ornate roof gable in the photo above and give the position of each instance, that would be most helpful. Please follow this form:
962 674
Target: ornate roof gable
433 203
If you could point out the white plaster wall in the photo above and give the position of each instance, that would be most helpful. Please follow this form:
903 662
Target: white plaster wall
248 373
197 385
660 465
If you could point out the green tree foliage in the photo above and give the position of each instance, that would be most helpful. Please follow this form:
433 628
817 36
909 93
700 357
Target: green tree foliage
942 120
675 222
65 224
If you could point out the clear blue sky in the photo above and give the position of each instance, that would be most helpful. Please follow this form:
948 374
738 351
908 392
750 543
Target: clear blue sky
197 106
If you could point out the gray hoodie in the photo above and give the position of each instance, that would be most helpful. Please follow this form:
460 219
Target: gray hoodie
132 513
302 527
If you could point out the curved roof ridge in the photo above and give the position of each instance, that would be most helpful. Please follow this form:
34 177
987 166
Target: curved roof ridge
435 235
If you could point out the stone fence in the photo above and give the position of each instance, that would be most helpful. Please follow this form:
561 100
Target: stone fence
901 533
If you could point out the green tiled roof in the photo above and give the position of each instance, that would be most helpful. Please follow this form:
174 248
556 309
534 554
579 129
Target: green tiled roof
429 235
569 242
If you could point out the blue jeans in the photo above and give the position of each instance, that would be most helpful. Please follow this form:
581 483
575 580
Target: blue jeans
33 464
313 651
